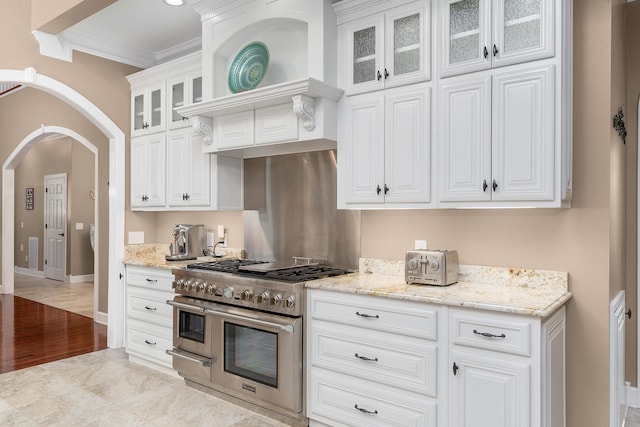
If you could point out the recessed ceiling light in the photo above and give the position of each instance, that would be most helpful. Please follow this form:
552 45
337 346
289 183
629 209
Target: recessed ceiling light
174 2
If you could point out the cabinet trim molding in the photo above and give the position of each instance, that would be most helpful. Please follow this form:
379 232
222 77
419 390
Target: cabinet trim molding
203 126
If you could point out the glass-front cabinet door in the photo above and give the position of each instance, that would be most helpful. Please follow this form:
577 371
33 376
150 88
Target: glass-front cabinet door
523 30
147 107
481 34
183 90
389 49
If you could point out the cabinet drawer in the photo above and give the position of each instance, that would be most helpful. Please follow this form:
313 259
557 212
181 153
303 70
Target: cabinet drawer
149 342
381 314
404 362
339 400
491 332
150 306
149 278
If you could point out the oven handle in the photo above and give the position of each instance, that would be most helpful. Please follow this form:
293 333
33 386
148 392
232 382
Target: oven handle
200 361
186 306
286 328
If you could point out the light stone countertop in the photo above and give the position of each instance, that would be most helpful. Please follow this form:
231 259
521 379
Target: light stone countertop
153 255
508 290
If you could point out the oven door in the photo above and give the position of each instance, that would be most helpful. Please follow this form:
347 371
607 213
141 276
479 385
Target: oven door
258 357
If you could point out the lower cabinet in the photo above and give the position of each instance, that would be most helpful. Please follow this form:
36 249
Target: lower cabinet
149 323
384 362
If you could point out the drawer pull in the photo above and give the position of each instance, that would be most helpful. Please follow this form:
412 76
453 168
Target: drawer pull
488 334
150 342
150 308
367 316
366 411
366 358
152 280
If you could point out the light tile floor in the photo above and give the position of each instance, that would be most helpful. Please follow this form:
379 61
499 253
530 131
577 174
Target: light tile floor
104 389
73 297
633 418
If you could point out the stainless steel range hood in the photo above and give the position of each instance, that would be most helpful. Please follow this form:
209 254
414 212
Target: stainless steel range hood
290 211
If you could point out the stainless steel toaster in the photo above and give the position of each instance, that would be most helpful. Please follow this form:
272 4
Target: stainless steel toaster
431 267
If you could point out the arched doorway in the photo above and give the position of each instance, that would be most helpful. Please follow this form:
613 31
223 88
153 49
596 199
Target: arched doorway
30 78
19 153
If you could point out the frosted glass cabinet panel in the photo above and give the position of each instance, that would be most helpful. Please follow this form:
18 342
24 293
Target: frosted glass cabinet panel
481 34
148 109
185 89
388 49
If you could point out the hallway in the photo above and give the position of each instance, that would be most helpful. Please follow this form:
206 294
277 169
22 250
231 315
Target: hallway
74 297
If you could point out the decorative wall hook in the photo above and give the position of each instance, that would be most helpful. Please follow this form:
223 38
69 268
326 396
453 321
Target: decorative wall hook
618 125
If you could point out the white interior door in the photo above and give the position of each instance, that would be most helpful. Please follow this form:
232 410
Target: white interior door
55 226
618 394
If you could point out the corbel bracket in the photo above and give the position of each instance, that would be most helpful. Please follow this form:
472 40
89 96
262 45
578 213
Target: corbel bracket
203 126
305 108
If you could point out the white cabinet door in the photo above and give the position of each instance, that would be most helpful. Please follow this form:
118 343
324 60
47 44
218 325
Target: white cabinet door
488 391
188 170
497 137
481 34
148 171
148 110
523 135
407 145
185 89
465 136
388 49
364 149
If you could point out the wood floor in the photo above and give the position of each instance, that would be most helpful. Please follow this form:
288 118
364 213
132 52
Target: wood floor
32 333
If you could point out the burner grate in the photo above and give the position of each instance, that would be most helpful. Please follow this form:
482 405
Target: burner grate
230 265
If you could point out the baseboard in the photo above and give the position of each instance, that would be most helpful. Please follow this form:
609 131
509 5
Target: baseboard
29 272
101 317
632 396
79 278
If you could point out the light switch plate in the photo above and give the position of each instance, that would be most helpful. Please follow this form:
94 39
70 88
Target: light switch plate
79 226
136 237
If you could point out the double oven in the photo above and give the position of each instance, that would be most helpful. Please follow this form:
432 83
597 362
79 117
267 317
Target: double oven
238 332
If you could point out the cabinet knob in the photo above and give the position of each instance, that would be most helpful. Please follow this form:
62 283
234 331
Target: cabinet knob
386 189
386 74
494 185
486 52
484 185
378 189
379 75
145 125
455 368
495 50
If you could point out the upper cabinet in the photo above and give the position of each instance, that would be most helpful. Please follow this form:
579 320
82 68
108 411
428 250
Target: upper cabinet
169 170
481 34
386 49
148 109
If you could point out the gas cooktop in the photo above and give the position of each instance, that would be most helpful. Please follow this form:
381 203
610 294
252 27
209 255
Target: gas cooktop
269 270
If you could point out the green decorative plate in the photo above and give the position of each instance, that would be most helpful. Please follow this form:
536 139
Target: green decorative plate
248 67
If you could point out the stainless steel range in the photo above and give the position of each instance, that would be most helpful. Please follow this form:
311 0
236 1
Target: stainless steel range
238 332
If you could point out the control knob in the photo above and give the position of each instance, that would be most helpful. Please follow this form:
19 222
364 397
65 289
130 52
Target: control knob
200 287
193 285
275 300
435 265
211 289
290 301
413 264
246 295
227 292
262 297
186 284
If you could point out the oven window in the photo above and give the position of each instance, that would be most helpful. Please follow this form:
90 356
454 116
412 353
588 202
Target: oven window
251 353
191 326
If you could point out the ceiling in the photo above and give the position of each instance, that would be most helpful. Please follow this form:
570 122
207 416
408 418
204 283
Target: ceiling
142 33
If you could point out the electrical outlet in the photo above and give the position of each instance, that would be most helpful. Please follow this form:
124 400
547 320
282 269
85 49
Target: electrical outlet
421 245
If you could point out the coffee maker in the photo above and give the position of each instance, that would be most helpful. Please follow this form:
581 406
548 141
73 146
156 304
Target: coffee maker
188 242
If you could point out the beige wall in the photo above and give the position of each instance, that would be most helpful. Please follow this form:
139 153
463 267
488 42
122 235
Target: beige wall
589 240
632 17
62 155
55 16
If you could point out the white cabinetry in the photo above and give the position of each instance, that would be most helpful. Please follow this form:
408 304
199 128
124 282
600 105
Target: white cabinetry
506 370
387 44
149 323
189 170
148 167
380 361
498 136
372 362
148 109
480 34
169 170
385 151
